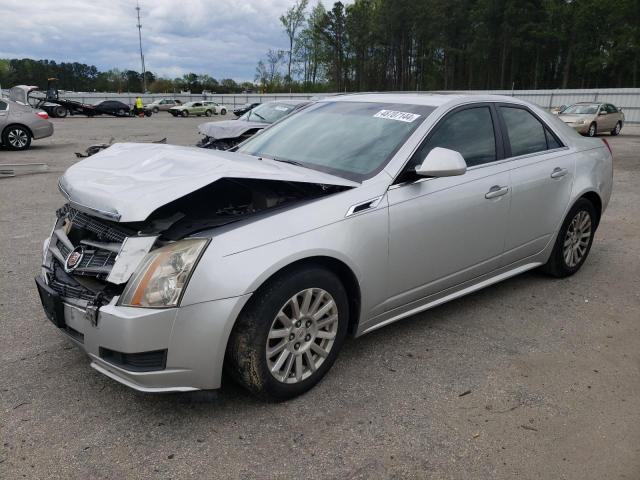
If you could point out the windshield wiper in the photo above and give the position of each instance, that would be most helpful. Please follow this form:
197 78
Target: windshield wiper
259 116
292 162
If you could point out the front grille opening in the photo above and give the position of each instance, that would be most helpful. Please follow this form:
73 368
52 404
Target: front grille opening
136 362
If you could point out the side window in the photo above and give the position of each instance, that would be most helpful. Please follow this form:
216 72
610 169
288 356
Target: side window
611 108
469 132
526 133
3 105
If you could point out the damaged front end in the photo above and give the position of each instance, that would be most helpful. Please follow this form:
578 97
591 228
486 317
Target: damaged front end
89 260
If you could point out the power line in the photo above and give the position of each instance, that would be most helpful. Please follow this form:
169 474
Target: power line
144 72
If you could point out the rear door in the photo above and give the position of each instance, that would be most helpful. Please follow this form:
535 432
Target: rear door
445 231
541 177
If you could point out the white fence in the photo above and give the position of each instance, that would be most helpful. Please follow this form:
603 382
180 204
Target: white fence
626 98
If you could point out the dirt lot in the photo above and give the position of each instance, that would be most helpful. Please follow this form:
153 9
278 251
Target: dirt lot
552 368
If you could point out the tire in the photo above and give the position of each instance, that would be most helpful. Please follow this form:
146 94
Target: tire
208 113
60 112
247 358
156 109
123 113
223 111
593 130
184 113
562 264
16 137
148 113
617 128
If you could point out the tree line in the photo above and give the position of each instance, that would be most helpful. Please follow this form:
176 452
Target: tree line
456 44
80 77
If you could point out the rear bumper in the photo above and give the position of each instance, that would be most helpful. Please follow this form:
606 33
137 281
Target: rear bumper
194 338
42 130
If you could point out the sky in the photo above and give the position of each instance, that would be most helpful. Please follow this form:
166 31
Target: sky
222 38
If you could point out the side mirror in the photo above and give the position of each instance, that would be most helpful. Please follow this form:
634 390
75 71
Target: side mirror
442 162
602 112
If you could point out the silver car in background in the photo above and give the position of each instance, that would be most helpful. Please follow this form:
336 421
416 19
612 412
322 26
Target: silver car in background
19 124
169 263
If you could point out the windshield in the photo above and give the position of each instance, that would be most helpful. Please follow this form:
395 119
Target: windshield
268 112
581 110
354 140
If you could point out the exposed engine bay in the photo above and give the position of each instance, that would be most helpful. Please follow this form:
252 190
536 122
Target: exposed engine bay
225 143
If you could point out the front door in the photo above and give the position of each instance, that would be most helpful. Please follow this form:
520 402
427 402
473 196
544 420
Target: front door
445 231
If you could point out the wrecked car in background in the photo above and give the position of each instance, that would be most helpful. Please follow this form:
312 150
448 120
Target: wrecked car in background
168 263
241 110
227 134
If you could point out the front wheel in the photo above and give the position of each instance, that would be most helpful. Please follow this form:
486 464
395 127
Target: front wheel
593 130
290 333
185 113
574 240
223 111
156 109
16 137
208 113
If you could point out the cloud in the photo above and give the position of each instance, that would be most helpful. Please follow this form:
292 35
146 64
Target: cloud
223 38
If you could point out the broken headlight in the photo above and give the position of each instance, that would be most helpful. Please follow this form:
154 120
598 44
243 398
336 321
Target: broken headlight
163 274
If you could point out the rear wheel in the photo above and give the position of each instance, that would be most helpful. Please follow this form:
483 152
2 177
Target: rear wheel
593 130
290 334
60 112
16 137
574 240
616 130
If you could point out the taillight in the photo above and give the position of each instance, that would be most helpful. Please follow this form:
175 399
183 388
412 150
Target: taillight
608 146
43 115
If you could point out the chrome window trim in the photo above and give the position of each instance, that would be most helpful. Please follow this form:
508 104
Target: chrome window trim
496 105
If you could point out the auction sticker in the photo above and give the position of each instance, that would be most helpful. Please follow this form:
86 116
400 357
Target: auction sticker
399 116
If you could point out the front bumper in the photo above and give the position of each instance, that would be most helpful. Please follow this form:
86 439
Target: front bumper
194 338
579 127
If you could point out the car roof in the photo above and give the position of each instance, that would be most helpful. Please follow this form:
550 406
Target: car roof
427 99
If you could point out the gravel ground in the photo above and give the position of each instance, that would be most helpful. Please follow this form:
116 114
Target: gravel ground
531 378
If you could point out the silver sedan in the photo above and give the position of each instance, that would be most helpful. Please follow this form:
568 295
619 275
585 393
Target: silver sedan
168 264
19 124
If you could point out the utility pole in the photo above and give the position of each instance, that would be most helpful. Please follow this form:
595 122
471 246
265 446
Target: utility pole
144 72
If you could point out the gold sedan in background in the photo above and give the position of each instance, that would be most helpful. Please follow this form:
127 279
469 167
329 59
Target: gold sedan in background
593 118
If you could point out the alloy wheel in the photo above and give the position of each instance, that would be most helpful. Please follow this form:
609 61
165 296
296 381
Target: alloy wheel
592 130
18 138
576 240
302 335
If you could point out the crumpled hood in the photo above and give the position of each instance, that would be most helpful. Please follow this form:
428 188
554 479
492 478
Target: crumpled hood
228 128
128 181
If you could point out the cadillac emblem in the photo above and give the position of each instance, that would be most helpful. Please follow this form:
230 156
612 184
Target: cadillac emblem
73 259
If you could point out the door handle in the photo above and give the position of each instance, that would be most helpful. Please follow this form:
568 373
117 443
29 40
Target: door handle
496 191
559 172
